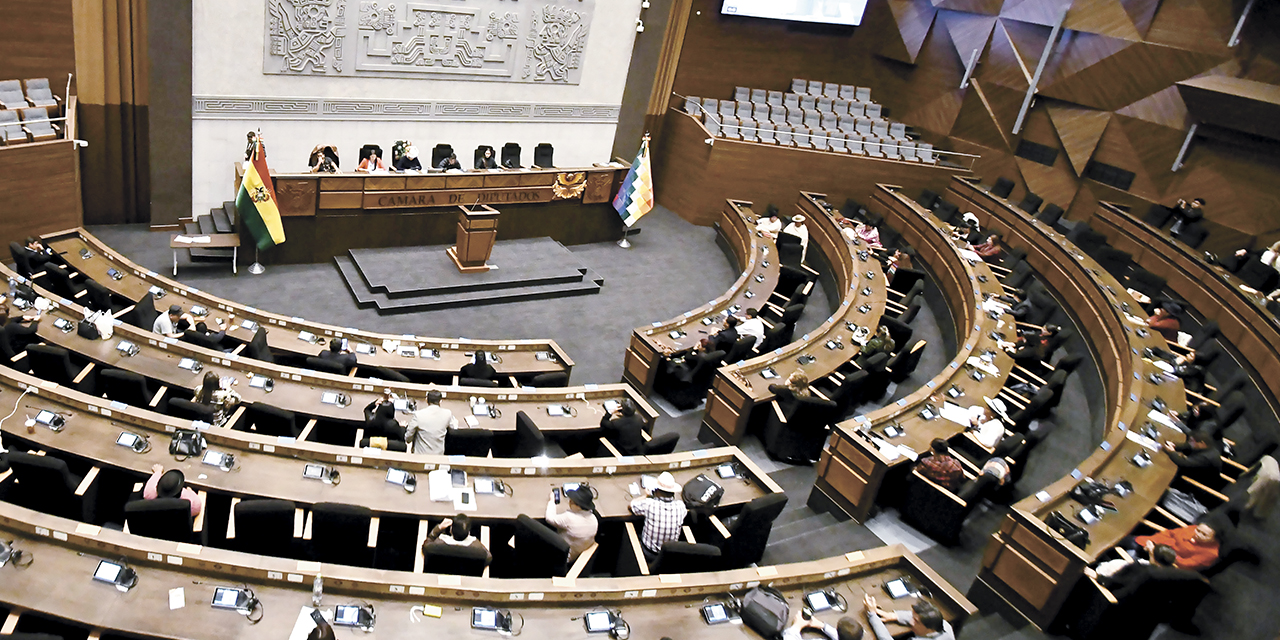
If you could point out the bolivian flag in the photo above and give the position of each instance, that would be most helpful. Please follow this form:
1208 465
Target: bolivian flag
635 196
256 202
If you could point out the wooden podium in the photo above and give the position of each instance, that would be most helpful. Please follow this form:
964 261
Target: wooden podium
477 230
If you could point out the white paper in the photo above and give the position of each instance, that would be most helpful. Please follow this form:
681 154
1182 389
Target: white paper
1162 418
955 413
472 422
182 239
993 304
304 624
890 452
1142 440
977 363
202 239
177 598
969 255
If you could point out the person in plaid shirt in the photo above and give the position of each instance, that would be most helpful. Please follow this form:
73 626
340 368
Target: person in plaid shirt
663 515
940 467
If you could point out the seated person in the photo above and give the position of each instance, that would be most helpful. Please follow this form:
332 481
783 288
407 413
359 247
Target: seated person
38 255
324 159
1195 545
459 528
19 332
1197 458
335 353
680 364
752 325
1192 368
622 429
1164 321
796 386
1185 213
866 233
1019 303
663 515
846 629
992 249
380 421
578 525
1031 349
924 619
1111 572
216 392
450 162
797 229
901 259
881 342
486 161
724 339
479 367
215 337
170 484
1199 416
941 467
172 324
409 161
373 162
769 224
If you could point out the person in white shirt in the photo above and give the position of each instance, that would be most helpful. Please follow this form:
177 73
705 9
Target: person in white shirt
428 426
923 618
846 629
578 525
797 229
769 224
752 326
173 323
372 163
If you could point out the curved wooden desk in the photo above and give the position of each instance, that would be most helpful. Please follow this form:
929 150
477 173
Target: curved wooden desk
299 390
858 460
67 554
739 388
1026 563
1212 291
756 256
520 358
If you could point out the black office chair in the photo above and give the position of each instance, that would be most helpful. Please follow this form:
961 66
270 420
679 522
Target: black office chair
1002 188
741 349
46 484
904 280
328 366
127 387
903 363
480 153
939 513
542 551
266 528
689 386
163 518
1050 214
367 149
1158 216
60 281
662 445
340 534
791 280
201 340
947 212
382 373
749 531
451 559
849 393
927 199
189 410
529 441
143 314
543 156
686 557
1031 203
790 251
20 259
1170 595
1192 234
54 364
440 152
476 443
257 347
511 155
98 298
774 338
1115 261
1146 282
796 431
271 421
550 379
1258 275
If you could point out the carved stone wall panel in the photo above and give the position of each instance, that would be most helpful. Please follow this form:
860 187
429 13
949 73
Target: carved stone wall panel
270 108
538 41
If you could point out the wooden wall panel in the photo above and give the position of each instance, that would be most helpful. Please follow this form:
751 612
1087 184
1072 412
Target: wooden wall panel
36 42
39 189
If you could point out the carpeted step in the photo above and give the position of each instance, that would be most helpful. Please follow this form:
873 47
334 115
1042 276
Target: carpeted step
229 208
203 226
221 221
206 223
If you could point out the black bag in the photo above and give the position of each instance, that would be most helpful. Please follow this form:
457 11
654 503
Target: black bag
702 493
186 443
1074 533
765 611
87 330
1090 492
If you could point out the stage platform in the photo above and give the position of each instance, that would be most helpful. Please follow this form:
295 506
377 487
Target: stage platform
405 279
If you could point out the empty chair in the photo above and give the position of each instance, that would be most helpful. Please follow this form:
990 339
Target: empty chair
908 150
1193 235
848 92
143 314
1030 203
924 151
476 443
782 133
188 410
340 534
163 518
759 96
741 93
813 120
791 101
11 128
808 103
800 135
863 127
857 109
831 89
693 106
872 146
543 552
529 441
40 95
327 366
511 153
937 512
1114 261
1145 282
853 144
11 97
830 123
60 281
749 531
550 379
778 114
743 109
267 526
798 85
730 128
46 484
99 298
382 373
927 199
1050 215
774 99
1002 188
863 95
760 112
824 105
840 107
713 126
902 364
662 445
749 131
271 421
766 132
710 105
1158 216
686 557
898 131
814 88
54 364
847 123
891 150
543 155
796 427
727 108
836 141
874 110
127 387
880 129
257 348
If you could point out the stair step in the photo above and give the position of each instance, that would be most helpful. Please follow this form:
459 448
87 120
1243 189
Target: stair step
206 224
230 208
201 254
220 220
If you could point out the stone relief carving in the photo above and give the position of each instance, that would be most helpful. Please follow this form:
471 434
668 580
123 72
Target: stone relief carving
464 39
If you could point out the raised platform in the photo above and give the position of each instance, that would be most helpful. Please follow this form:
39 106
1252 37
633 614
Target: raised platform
401 280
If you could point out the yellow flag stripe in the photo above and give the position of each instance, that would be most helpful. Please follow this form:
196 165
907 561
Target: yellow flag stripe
267 209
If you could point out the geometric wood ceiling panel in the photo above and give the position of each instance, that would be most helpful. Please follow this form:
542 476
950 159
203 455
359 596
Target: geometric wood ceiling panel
912 19
1103 17
1164 107
1186 24
1079 129
1043 12
1110 73
978 121
984 7
1002 64
968 31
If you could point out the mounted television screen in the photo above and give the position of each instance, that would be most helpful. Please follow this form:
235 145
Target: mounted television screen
848 12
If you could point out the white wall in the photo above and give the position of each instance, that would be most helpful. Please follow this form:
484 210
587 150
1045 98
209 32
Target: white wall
232 96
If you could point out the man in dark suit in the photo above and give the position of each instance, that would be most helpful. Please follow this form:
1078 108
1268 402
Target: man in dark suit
1185 213
622 429
1197 458
724 339
37 254
479 367
336 354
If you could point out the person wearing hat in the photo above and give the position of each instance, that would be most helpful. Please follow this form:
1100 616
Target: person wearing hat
409 161
578 525
174 323
663 513
846 629
797 229
1166 322
170 484
769 224
923 618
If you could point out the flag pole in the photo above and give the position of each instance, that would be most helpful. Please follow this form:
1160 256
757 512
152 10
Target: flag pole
625 242
256 268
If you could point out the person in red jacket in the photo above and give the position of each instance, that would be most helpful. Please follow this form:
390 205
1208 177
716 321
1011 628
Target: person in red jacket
1165 322
1196 545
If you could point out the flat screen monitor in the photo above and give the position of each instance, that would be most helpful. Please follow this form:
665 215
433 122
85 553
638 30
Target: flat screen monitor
846 12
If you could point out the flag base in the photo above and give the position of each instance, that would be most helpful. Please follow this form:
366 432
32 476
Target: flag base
257 269
624 243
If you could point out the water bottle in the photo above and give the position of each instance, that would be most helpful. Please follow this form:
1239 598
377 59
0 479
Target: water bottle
317 591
